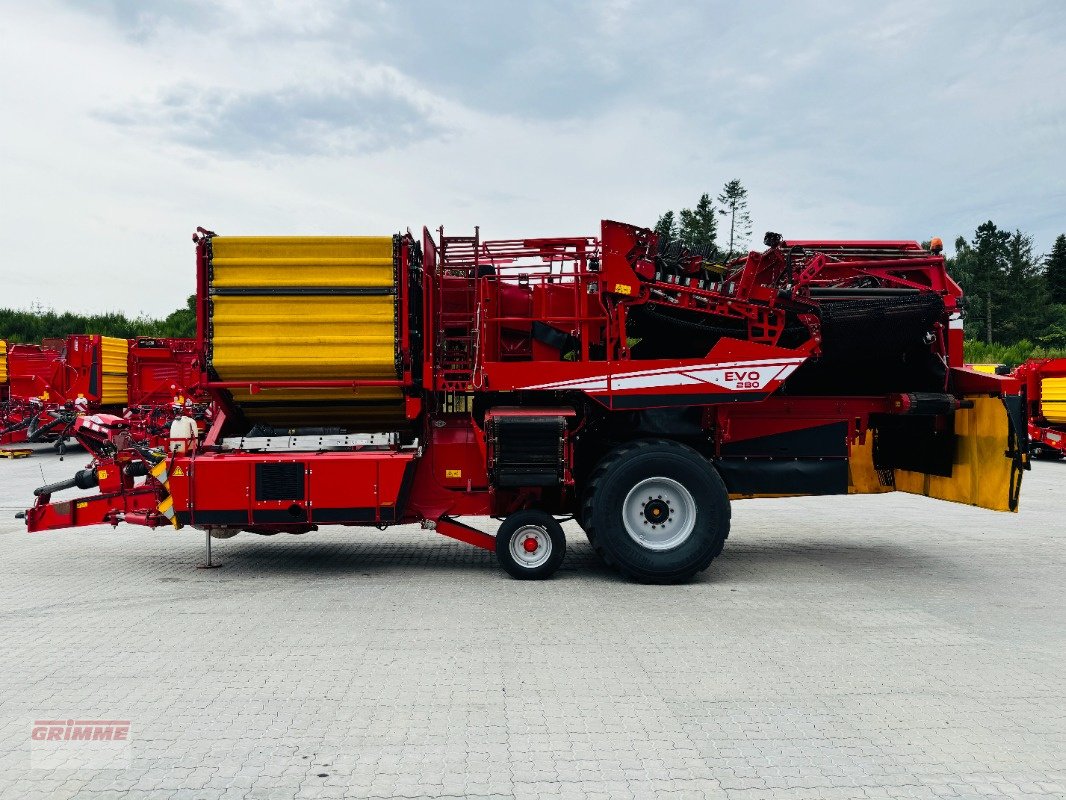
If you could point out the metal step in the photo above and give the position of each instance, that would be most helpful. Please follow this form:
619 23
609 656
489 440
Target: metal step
314 444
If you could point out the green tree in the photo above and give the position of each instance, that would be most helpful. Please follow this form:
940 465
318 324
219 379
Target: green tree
699 225
181 324
734 205
1025 296
667 225
981 269
37 324
957 265
1053 334
695 228
1056 271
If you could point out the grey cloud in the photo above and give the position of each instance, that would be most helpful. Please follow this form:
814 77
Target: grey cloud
139 20
553 59
546 60
148 21
287 121
898 115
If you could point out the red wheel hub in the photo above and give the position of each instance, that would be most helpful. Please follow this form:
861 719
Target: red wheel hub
530 545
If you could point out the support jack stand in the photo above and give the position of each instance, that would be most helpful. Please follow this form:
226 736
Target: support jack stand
209 564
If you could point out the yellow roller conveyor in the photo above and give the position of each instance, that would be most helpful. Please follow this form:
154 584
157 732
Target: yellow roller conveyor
3 362
114 360
304 309
1053 399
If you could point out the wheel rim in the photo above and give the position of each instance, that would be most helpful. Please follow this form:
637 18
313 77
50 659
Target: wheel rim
530 546
659 513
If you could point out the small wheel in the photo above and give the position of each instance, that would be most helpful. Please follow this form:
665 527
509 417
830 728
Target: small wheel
530 545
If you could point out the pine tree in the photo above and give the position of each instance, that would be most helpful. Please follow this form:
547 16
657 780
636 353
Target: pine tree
695 228
699 226
1025 296
1056 271
957 265
986 263
667 226
734 205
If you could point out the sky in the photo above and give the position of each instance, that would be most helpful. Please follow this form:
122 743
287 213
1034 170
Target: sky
125 124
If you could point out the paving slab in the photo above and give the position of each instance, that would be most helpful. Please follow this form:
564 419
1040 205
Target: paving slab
846 647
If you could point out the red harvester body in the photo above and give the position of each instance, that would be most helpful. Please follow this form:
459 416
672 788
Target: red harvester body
623 379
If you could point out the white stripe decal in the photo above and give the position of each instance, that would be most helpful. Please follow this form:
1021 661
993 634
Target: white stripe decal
658 379
735 376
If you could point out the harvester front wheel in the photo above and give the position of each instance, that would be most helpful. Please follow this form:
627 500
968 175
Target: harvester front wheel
657 510
530 545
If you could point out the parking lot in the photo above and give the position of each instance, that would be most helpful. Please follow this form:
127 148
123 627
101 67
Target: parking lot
883 646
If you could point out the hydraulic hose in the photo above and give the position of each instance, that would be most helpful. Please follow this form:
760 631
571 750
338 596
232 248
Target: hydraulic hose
16 427
83 479
58 486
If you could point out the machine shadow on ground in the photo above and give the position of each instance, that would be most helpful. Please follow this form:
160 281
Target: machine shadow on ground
740 563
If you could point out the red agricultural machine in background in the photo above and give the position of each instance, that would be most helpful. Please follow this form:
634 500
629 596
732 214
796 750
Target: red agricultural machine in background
30 369
623 380
47 387
52 383
1044 381
5 396
164 373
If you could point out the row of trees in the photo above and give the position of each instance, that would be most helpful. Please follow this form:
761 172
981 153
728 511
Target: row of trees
34 325
698 227
1012 294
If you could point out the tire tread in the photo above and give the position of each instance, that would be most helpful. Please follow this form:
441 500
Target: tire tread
603 468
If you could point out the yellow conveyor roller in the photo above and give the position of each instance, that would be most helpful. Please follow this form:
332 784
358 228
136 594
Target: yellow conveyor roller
114 360
1053 399
304 309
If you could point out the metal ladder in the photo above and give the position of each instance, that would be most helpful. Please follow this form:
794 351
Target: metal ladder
457 344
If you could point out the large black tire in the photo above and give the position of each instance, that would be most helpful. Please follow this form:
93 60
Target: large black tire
530 545
663 489
583 523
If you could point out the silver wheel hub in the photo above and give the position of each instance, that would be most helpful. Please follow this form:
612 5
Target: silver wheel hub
659 513
530 546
